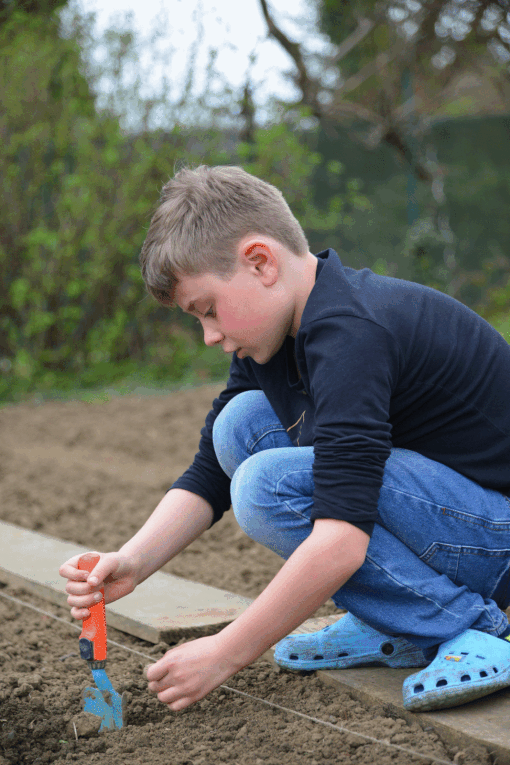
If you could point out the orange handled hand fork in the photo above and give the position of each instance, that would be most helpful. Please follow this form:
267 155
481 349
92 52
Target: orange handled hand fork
102 701
93 635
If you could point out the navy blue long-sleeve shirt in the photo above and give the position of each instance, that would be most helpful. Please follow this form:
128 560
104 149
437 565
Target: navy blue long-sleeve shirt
382 362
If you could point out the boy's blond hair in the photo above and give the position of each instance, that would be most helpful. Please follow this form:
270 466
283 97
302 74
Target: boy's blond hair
202 216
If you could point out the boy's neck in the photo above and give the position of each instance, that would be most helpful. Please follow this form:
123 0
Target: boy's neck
303 278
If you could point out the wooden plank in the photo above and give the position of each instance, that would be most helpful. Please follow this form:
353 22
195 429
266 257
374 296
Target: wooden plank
163 608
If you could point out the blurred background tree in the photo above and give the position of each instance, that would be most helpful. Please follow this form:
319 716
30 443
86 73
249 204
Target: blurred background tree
413 97
395 153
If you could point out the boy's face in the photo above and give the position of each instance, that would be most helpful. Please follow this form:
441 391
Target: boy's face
249 313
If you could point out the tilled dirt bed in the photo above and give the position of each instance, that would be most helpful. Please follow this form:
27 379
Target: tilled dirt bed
91 473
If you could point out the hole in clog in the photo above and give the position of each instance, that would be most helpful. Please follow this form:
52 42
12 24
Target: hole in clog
418 688
294 657
341 655
495 669
464 653
318 657
480 657
483 673
465 678
441 682
387 649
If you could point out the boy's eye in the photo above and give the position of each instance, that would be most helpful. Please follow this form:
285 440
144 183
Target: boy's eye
209 312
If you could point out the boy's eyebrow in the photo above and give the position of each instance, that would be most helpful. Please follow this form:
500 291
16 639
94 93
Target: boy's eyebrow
190 308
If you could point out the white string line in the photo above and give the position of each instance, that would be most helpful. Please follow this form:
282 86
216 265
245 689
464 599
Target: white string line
382 742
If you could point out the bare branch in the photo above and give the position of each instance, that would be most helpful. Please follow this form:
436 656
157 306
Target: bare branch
430 14
342 109
390 132
398 139
308 86
364 28
372 67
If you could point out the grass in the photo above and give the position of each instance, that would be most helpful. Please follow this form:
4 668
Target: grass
106 381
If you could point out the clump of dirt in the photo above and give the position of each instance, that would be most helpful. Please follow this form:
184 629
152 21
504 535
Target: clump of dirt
92 474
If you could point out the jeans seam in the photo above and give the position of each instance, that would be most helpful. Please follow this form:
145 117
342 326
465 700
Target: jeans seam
465 550
461 515
432 548
416 592
278 497
484 524
260 434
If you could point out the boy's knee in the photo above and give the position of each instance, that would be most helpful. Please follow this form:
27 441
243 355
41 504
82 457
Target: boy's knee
233 416
251 495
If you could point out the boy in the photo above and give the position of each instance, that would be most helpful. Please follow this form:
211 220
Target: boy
364 435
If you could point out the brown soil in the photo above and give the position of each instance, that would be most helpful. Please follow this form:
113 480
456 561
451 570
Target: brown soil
91 473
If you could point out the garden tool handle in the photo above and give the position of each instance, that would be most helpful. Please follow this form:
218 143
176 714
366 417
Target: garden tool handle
93 635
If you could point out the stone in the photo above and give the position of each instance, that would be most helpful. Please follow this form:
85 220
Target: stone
86 724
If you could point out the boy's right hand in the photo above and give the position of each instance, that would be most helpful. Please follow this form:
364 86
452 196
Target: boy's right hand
114 572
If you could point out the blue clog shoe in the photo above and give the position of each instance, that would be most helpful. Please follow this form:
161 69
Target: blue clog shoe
467 667
347 643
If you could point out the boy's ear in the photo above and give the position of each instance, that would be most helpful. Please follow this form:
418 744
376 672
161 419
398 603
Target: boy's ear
261 258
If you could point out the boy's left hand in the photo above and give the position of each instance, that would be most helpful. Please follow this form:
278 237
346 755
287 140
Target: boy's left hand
189 672
316 569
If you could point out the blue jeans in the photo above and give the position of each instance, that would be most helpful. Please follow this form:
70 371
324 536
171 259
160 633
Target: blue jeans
438 562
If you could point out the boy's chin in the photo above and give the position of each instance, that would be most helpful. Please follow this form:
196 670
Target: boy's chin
259 355
243 353
258 358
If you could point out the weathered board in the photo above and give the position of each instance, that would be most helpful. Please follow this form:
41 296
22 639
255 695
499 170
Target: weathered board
160 609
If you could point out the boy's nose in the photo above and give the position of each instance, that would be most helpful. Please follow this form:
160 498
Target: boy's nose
212 336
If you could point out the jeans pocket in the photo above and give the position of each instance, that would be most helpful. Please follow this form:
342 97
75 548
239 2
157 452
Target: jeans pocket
480 569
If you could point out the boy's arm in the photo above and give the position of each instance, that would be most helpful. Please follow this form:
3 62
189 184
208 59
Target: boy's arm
197 499
321 564
316 570
179 519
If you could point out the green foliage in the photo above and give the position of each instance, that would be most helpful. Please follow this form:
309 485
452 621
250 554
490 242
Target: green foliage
77 196
281 156
436 24
457 245
78 191
470 262
502 323
339 18
32 7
